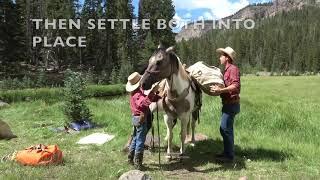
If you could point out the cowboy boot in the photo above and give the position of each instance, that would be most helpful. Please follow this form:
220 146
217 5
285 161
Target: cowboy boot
131 157
138 161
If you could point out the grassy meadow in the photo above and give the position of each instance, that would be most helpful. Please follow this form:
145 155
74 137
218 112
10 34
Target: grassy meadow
277 136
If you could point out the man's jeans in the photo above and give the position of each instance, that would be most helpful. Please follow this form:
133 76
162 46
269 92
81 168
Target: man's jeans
139 134
229 111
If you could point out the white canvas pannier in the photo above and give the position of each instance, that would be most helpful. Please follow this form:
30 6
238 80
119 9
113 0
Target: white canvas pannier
206 76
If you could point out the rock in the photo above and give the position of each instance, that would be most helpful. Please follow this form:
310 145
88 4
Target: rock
3 104
243 178
263 73
5 131
134 175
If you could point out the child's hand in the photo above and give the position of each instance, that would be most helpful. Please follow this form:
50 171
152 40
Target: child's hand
161 93
155 88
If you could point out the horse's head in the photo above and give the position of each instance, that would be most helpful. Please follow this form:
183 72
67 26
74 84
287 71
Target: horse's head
161 65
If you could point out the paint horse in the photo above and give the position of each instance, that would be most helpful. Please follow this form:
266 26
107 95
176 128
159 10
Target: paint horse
179 101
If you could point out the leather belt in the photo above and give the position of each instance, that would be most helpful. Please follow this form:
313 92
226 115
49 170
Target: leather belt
232 101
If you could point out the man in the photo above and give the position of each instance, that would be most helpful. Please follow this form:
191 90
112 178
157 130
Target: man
230 101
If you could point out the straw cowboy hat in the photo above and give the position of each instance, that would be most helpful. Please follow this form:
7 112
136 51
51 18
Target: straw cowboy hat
133 82
229 51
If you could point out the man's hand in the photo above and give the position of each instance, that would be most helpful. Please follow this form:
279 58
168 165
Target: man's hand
216 90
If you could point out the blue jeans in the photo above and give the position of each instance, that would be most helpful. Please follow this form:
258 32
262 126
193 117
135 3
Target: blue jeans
229 111
139 134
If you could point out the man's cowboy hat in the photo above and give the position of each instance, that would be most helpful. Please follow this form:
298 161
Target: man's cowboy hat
229 51
133 82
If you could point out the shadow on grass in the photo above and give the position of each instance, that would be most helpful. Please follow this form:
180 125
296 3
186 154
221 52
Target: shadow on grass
262 154
204 153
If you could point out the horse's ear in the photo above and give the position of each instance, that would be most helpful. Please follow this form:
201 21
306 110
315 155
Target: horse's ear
160 46
170 49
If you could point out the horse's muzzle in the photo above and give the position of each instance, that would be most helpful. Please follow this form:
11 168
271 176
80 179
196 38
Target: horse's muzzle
146 82
144 86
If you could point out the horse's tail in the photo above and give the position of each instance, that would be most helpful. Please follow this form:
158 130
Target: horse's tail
194 117
197 100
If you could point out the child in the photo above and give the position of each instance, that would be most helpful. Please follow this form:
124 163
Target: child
141 116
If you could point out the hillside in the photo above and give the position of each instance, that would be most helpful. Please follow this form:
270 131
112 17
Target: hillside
286 42
253 11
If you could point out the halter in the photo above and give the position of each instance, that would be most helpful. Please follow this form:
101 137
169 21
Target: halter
157 72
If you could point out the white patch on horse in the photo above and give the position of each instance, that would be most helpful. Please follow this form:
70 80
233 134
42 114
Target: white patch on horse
152 59
179 84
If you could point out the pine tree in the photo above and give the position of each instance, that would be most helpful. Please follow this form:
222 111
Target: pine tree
92 9
164 9
124 39
59 9
184 52
114 75
146 52
109 38
12 49
125 66
167 12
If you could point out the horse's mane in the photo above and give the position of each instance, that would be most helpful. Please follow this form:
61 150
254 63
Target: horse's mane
158 50
179 65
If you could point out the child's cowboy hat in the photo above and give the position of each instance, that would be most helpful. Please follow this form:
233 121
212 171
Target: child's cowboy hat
229 51
133 82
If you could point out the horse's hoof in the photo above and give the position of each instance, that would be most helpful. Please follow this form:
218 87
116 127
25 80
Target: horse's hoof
192 144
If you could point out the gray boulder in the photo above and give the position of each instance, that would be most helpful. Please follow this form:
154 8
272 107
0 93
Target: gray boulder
3 104
5 131
134 175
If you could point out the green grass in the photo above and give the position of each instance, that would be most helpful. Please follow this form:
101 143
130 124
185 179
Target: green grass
276 136
56 94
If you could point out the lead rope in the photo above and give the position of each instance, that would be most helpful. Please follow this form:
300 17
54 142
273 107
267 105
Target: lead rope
152 131
159 156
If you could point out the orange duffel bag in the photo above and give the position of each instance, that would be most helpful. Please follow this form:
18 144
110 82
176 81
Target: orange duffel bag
39 155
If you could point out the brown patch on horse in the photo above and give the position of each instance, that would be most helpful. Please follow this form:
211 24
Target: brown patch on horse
179 107
168 107
182 106
173 93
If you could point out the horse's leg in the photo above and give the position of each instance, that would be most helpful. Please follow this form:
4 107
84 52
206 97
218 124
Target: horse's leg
169 123
184 125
